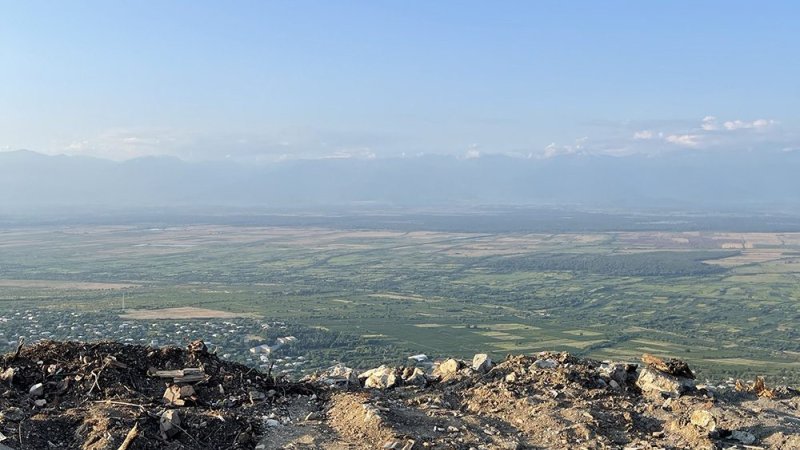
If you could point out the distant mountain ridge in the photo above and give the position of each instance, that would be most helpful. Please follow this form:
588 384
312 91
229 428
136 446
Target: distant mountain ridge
30 180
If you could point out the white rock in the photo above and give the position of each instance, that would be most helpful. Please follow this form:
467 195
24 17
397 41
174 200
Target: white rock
382 377
448 368
340 376
615 371
416 378
704 419
651 380
545 363
481 363
37 390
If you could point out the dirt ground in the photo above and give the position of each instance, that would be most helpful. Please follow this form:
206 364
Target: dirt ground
93 394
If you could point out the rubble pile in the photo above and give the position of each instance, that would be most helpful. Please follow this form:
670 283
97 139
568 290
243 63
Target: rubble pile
112 396
95 395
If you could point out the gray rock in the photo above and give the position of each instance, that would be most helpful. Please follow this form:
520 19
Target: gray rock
481 363
256 396
339 376
545 363
744 437
372 414
272 423
13 414
615 371
37 390
399 444
314 415
651 380
414 376
170 423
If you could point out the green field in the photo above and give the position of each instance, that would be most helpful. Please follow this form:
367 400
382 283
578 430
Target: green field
726 302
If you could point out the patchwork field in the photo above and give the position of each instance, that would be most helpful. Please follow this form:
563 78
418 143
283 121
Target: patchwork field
182 313
727 302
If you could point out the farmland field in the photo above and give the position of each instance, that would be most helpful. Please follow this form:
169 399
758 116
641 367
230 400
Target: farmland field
726 302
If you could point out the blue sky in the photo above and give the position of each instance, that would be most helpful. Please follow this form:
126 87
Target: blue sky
269 80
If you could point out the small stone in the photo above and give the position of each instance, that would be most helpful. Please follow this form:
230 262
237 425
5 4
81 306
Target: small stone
744 437
13 414
272 423
179 395
256 396
313 416
481 363
170 423
404 444
615 371
671 366
448 368
545 363
40 402
36 390
371 414
8 374
415 377
512 377
704 419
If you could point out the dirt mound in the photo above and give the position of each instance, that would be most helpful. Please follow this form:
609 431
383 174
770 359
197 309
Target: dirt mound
111 396
89 396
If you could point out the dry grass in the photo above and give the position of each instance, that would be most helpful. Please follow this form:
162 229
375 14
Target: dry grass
64 285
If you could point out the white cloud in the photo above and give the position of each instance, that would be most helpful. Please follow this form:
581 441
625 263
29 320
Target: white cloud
758 125
363 153
579 147
472 154
643 135
684 140
709 123
276 145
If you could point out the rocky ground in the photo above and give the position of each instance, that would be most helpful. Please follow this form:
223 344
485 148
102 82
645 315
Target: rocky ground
68 395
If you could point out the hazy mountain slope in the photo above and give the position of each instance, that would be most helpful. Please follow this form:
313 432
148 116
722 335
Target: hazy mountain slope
29 180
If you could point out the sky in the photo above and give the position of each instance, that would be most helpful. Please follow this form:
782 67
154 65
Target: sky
274 80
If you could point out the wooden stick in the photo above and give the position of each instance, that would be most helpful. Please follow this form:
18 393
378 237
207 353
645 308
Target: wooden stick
19 348
130 437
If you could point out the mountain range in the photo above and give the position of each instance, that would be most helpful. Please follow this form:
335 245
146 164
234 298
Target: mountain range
747 181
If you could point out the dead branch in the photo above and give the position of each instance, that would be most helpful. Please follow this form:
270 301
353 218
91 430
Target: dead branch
130 437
